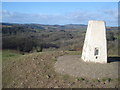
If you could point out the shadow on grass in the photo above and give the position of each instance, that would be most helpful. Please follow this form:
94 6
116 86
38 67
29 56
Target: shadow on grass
113 59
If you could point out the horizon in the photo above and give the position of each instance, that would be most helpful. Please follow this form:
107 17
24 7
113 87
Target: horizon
42 24
60 13
51 24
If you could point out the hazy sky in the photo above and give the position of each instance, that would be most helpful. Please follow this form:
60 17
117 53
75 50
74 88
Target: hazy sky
59 12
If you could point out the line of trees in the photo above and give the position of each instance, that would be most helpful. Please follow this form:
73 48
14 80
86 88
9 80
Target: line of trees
25 44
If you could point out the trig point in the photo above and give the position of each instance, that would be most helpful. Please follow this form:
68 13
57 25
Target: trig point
95 47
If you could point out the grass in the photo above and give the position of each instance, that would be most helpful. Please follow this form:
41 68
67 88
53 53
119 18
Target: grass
118 79
0 54
105 79
66 77
6 54
73 52
80 79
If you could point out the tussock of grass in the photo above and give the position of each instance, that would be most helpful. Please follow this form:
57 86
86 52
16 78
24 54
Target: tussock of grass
106 79
80 79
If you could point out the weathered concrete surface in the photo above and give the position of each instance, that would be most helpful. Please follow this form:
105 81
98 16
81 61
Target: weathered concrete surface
95 48
74 66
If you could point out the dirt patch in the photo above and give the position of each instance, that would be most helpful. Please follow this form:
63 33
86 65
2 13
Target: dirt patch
73 65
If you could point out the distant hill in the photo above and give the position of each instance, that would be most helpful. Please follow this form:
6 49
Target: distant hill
7 23
39 37
54 27
49 27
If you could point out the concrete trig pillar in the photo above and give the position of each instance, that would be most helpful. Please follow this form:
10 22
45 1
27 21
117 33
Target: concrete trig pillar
95 47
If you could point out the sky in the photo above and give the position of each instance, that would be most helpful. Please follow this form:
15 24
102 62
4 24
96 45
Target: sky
59 12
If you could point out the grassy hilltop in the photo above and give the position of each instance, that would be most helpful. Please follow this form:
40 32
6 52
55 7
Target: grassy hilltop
36 70
31 50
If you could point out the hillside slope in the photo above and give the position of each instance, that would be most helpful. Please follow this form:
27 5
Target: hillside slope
36 70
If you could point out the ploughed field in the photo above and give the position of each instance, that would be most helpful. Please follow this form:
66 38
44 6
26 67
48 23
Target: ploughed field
38 70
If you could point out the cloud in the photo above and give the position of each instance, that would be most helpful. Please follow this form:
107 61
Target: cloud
111 16
76 17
